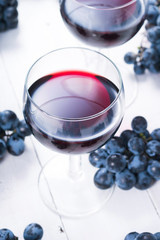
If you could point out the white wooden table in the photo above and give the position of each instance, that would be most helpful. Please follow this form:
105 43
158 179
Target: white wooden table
41 30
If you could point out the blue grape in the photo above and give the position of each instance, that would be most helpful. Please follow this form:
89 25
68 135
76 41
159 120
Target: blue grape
130 57
145 236
4 2
10 12
139 124
125 179
150 56
154 67
153 34
136 145
115 145
152 13
139 68
153 148
104 179
15 145
8 120
131 236
137 163
144 181
155 134
98 158
116 162
157 235
33 232
23 129
154 169
126 135
6 234
157 47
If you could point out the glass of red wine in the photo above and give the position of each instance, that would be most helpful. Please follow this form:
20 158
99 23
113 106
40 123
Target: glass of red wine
106 24
73 103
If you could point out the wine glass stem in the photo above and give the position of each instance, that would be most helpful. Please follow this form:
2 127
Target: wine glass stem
75 167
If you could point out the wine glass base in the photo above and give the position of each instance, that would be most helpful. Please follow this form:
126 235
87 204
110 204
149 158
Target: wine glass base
71 196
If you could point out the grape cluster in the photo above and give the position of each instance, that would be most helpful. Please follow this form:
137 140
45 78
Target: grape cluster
130 160
12 133
33 231
148 55
142 236
8 14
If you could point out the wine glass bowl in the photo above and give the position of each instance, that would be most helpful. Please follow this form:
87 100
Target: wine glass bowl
103 23
73 103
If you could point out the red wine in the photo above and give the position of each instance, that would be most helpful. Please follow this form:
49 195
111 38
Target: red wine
72 118
101 27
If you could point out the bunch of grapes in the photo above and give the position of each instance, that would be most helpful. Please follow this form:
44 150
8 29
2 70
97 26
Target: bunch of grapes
8 14
12 133
148 56
130 160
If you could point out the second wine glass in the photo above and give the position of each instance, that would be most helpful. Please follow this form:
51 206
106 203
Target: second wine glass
106 24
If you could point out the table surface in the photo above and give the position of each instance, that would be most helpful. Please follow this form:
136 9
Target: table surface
41 30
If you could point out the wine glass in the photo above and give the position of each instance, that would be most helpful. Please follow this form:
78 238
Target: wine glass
106 24
73 103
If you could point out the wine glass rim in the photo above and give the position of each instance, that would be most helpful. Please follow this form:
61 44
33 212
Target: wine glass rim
80 118
108 7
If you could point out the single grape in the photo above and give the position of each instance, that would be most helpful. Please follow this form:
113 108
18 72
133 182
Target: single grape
15 145
136 145
98 158
103 179
152 13
154 67
115 145
157 235
33 232
125 179
153 34
144 181
8 120
6 234
130 57
4 2
145 236
131 236
139 124
154 169
23 129
155 134
153 148
116 162
139 67
150 56
126 135
137 163
10 12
